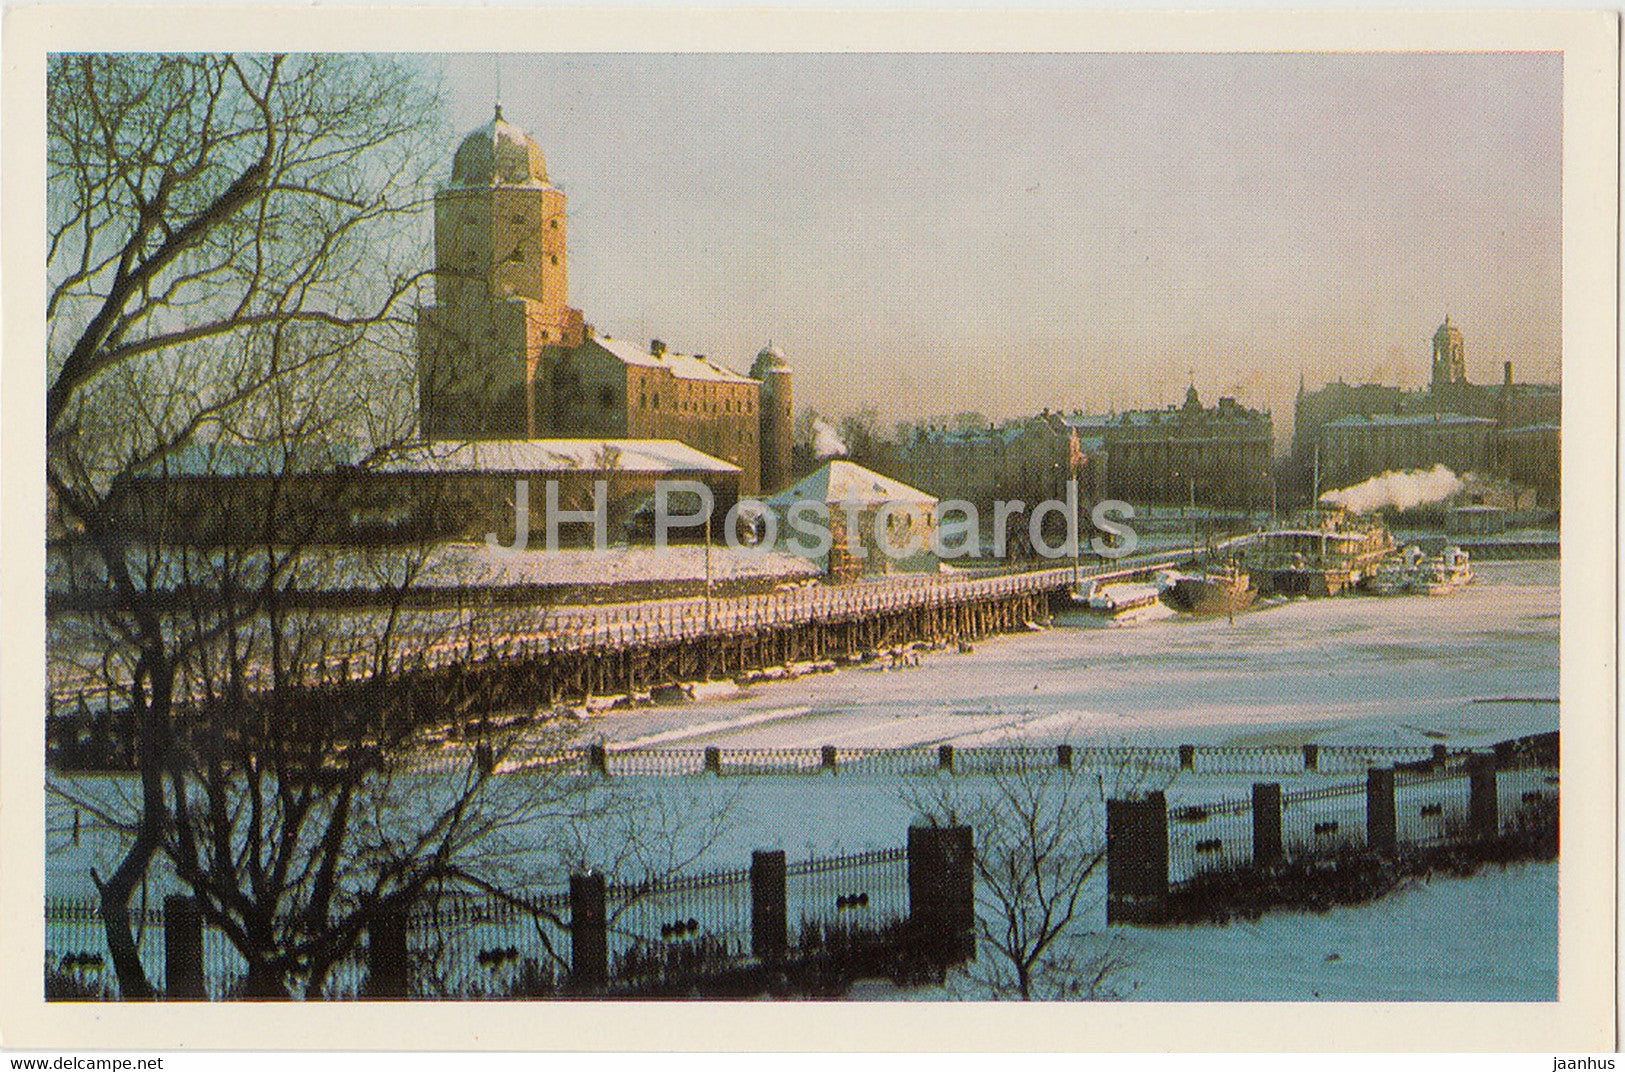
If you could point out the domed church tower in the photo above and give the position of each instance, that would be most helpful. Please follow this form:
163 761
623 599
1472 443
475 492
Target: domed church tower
777 422
1449 355
500 291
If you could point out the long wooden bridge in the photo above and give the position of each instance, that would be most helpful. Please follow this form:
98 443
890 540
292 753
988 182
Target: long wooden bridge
554 656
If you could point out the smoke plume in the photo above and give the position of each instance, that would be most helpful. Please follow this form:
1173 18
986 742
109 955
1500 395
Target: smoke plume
1401 490
826 443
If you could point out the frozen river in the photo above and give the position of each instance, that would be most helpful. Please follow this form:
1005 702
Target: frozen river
1464 669
1401 670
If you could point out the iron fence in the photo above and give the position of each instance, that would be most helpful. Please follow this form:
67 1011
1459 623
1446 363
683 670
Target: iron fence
1209 837
1432 804
464 944
869 889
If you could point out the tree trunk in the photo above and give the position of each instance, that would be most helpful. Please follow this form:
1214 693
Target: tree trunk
152 747
264 983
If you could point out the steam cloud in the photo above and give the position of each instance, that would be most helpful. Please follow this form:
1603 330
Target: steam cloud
826 443
1402 490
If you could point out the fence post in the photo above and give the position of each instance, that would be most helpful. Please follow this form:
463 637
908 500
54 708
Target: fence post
1187 757
183 950
1311 757
1506 752
388 971
945 758
1381 831
597 759
1136 858
826 757
1483 810
589 939
1266 824
769 916
942 891
713 760
1063 756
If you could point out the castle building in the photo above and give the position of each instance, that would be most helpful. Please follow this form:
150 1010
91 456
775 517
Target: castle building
502 355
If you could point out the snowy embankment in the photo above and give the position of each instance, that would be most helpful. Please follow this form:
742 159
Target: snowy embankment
477 564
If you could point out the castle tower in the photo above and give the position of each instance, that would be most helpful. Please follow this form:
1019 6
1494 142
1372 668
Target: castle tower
777 422
1449 356
500 291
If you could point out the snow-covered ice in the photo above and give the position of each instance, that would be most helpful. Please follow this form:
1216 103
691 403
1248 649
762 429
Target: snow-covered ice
1404 671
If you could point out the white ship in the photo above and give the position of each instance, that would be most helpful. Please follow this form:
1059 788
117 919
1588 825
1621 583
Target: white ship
1416 574
1448 572
1121 601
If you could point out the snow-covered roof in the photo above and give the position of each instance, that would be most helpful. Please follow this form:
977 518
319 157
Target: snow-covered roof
843 482
486 455
557 455
683 366
1406 420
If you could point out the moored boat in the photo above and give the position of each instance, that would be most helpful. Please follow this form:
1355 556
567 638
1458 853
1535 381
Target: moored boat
1320 553
1118 600
1216 591
1448 572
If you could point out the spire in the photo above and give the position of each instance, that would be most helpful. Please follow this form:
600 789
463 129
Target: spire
498 100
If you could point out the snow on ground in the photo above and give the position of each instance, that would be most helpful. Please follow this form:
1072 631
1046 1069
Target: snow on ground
1400 670
1489 937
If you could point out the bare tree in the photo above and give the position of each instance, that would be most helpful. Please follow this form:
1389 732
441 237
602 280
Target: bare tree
222 230
1040 870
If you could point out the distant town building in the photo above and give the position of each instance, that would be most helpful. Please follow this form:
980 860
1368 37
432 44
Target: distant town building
1221 455
1358 447
502 355
1532 455
1029 460
1507 429
1478 520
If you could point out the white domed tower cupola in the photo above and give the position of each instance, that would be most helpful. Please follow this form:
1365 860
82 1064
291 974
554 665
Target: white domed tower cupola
498 154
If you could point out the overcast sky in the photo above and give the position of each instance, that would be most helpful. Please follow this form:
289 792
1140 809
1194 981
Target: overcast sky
932 233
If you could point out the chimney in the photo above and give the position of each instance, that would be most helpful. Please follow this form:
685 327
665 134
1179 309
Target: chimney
657 347
1506 374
